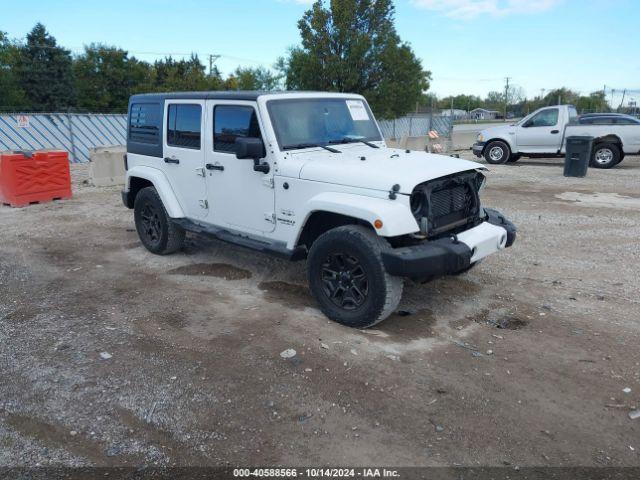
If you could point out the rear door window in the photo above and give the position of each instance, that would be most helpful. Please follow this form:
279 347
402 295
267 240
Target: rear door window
184 125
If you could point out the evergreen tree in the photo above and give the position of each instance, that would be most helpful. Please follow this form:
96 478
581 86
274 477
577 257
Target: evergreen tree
45 72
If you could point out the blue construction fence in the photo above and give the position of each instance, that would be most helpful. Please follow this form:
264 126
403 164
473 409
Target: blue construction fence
74 132
78 133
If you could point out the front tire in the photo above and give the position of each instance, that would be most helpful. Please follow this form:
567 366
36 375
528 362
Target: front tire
497 152
605 155
157 232
348 279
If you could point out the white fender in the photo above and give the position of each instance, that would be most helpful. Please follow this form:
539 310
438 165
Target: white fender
395 215
159 180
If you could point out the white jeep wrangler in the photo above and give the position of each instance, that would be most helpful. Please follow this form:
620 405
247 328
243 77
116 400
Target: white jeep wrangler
306 176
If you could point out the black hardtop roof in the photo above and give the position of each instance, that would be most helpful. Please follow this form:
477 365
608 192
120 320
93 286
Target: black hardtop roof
211 95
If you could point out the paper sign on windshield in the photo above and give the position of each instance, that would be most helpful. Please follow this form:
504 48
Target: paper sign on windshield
357 110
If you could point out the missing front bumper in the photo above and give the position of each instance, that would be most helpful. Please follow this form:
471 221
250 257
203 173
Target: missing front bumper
447 256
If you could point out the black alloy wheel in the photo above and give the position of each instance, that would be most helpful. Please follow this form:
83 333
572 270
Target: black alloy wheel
344 281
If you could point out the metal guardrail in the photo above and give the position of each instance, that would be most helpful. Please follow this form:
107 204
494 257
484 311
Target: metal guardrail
76 133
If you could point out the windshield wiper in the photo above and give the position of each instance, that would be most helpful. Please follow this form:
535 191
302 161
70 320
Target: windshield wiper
310 145
353 140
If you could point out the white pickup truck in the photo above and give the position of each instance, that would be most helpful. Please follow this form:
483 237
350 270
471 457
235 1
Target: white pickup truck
544 133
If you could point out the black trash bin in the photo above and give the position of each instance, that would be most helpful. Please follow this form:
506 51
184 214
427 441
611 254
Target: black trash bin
578 155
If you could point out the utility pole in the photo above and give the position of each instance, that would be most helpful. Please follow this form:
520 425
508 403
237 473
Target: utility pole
212 60
624 92
506 96
604 97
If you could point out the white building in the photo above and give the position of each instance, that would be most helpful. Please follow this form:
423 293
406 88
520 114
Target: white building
483 114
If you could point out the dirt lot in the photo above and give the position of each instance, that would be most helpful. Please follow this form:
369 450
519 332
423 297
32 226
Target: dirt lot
112 356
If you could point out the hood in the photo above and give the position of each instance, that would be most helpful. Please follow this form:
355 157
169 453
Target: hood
499 131
381 168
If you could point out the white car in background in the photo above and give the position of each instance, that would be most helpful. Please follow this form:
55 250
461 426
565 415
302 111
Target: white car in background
544 133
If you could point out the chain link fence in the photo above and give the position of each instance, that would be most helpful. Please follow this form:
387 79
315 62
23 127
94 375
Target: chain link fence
78 133
427 132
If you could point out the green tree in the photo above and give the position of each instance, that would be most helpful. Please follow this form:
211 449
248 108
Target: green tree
352 46
494 101
45 72
562 96
462 102
259 78
183 75
106 76
12 97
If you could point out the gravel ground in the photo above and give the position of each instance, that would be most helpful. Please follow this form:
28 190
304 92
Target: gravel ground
113 356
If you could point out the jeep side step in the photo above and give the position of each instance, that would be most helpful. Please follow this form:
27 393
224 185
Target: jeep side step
276 248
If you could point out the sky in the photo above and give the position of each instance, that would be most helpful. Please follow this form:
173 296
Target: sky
470 46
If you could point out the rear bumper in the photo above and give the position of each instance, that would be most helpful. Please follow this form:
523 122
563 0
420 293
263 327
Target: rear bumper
447 256
478 148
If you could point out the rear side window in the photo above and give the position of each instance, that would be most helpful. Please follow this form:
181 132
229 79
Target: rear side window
231 122
144 123
627 121
184 125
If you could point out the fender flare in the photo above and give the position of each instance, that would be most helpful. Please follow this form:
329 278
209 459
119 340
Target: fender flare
162 185
395 215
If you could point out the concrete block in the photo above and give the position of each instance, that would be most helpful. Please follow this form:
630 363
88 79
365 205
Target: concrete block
107 166
417 143
463 140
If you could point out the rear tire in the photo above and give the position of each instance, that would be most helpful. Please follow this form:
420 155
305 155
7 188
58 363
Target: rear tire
155 228
605 155
497 152
348 279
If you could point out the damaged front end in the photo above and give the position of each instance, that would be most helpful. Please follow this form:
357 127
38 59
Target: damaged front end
455 230
448 205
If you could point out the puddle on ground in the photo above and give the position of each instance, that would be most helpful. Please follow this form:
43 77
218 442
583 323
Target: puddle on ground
500 319
220 270
287 294
607 200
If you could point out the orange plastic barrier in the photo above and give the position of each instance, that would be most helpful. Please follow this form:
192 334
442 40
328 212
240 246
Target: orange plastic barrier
33 177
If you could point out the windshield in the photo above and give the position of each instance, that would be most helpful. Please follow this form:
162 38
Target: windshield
313 122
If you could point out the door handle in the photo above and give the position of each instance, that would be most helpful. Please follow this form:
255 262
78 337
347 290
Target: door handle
211 166
555 131
171 160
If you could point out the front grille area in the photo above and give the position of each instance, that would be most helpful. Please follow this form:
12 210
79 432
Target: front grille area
449 204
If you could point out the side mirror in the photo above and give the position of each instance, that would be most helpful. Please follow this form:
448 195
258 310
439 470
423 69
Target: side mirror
253 149
250 148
